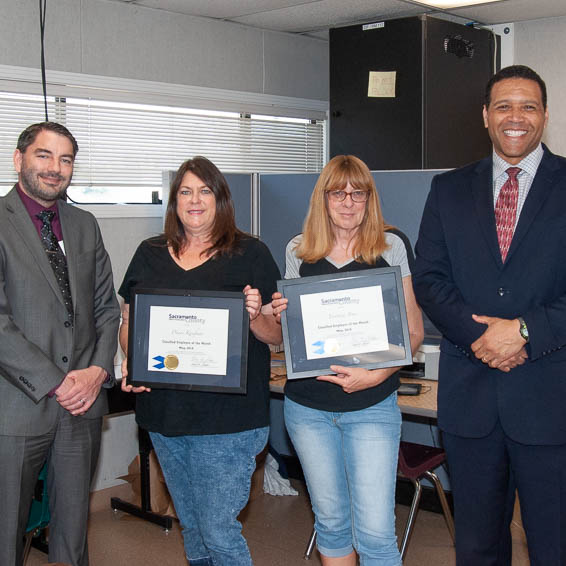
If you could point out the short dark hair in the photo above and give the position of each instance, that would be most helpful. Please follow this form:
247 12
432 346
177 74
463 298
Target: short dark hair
225 236
27 137
515 72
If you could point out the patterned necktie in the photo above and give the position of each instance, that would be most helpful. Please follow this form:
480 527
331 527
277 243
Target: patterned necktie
506 211
56 258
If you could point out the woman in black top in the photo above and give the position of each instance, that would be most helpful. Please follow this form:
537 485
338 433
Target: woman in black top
207 442
346 427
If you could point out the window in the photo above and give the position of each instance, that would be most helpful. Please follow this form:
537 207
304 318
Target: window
16 113
123 148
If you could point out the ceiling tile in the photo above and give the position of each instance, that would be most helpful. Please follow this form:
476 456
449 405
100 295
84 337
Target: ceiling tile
305 16
221 9
329 13
514 11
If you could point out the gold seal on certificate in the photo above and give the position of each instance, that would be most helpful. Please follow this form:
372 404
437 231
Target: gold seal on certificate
171 361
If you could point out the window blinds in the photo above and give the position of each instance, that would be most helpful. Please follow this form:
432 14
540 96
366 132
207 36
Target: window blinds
123 148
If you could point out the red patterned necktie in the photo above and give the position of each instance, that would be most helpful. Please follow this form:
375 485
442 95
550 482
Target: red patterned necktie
506 210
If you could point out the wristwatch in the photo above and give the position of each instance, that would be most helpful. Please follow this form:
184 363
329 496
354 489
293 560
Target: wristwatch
523 330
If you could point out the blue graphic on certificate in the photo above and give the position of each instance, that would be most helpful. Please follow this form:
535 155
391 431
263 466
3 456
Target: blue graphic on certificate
340 323
188 340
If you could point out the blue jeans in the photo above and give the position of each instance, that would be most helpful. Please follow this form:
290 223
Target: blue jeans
209 477
350 464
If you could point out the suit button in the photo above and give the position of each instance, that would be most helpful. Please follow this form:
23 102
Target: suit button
65 359
501 291
67 324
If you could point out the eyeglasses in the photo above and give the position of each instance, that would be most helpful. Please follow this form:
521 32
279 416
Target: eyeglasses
340 196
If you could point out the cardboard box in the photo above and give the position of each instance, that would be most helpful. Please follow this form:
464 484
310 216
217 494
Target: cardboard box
160 499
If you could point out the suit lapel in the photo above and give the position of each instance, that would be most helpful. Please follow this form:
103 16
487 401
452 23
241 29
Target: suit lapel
538 193
20 220
482 193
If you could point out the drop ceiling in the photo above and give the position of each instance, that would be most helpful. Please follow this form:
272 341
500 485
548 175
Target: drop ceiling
308 16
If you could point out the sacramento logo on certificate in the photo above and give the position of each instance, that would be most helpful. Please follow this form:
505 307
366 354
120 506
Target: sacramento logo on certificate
356 318
193 340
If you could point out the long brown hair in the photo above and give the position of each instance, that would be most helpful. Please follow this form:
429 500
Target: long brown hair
225 235
318 233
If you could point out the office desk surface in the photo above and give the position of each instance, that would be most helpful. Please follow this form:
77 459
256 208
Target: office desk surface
423 405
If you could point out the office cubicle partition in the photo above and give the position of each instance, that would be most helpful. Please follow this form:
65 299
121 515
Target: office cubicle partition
273 205
283 204
403 196
241 188
284 201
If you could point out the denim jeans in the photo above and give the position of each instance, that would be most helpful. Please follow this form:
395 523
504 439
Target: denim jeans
350 465
209 477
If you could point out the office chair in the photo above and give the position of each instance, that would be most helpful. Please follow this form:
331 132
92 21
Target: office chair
39 511
416 461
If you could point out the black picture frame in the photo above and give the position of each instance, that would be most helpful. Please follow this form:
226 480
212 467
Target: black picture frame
139 356
390 282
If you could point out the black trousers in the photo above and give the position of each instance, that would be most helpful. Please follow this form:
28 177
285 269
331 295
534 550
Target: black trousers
484 474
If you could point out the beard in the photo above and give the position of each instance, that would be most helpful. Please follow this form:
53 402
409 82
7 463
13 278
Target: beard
29 178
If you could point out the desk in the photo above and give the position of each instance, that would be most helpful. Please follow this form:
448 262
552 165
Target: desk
423 405
119 401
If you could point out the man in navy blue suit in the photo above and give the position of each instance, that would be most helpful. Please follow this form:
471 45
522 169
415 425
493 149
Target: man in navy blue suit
491 274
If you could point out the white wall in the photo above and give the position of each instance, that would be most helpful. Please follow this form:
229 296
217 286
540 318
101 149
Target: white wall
98 37
119 434
541 44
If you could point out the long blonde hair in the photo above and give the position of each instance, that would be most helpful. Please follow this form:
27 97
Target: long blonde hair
318 233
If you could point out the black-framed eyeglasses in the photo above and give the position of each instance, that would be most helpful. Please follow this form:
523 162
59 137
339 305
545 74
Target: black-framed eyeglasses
340 196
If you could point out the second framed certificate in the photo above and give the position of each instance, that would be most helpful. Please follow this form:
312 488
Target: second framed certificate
356 318
196 340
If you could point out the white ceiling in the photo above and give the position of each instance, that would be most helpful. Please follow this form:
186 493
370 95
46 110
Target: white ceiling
305 16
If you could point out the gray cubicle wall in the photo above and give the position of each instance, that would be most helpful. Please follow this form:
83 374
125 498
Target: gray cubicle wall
284 201
403 195
241 188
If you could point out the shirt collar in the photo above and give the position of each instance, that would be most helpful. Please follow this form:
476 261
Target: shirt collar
529 164
32 206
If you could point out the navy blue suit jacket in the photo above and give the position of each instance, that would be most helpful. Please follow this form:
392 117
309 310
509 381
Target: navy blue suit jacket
459 272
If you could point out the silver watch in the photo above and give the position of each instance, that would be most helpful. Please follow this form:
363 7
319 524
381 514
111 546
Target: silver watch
523 330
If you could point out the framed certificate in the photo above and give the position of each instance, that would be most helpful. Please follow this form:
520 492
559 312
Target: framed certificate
356 318
182 339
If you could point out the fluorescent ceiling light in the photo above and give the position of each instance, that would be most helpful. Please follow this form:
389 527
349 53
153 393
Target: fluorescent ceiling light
448 4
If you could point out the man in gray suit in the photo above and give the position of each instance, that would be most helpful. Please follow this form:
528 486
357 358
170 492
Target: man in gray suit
58 336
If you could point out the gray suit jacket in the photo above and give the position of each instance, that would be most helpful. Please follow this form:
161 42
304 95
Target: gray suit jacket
37 344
